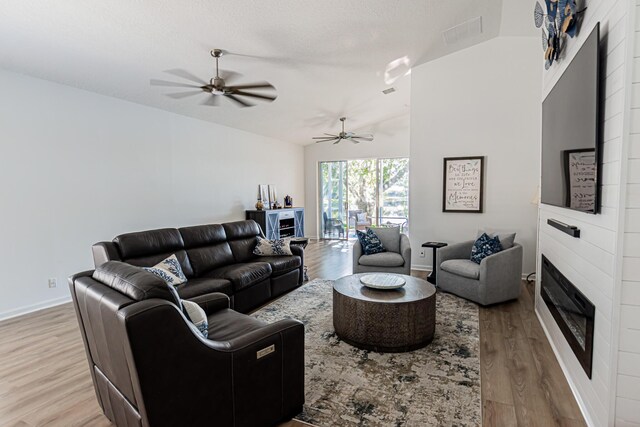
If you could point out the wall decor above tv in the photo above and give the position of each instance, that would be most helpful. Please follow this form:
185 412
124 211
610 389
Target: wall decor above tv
571 133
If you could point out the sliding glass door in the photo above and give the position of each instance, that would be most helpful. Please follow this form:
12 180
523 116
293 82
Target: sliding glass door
333 200
356 194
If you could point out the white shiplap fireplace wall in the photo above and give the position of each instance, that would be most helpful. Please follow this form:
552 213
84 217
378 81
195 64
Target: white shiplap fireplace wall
605 262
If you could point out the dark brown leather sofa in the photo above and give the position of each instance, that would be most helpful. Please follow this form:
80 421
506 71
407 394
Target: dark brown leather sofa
215 258
151 367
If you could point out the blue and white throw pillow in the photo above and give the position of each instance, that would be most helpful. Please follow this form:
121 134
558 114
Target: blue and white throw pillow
169 270
370 243
485 246
197 316
278 247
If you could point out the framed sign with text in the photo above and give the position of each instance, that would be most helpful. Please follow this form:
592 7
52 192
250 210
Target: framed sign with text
463 184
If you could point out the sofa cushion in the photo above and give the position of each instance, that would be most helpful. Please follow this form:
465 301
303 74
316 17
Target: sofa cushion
168 270
134 282
389 237
203 285
151 260
282 264
484 247
277 247
226 324
370 242
197 316
506 239
207 247
243 275
242 237
462 267
151 242
382 259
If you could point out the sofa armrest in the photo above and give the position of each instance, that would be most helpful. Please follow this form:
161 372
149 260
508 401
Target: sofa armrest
103 252
405 249
212 302
357 252
503 266
460 250
298 250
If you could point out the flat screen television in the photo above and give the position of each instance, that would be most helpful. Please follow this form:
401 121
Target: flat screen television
571 133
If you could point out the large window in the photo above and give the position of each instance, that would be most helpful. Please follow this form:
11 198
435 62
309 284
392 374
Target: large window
356 194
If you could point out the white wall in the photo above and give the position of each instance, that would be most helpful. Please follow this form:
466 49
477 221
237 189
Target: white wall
484 101
391 139
592 262
628 378
77 167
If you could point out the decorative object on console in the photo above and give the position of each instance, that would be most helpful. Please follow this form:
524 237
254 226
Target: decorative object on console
278 247
169 270
350 136
273 197
263 190
560 20
463 184
216 87
259 205
288 201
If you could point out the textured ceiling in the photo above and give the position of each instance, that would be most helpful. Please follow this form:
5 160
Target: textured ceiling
326 58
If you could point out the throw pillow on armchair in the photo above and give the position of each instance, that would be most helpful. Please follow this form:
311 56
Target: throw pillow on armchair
370 243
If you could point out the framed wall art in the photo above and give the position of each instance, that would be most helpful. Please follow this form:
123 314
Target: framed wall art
463 184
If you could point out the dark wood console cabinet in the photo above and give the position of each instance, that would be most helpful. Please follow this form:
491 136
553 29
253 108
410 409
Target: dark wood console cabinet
279 223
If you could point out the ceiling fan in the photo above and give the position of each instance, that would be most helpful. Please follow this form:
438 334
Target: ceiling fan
217 86
350 136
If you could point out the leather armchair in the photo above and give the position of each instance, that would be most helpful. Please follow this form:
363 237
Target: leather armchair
151 367
496 279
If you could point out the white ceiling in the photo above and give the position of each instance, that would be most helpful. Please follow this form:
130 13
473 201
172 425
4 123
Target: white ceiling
326 58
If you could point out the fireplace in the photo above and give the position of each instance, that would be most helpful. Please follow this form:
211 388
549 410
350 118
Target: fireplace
572 311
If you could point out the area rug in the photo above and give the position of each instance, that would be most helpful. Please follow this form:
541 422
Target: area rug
438 385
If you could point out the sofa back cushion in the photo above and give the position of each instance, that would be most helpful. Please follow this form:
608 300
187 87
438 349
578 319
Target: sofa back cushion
242 237
134 282
147 248
207 247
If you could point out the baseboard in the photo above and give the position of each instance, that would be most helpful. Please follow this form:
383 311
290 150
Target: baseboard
572 386
34 307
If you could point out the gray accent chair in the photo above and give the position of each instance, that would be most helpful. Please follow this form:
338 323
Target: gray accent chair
397 259
496 279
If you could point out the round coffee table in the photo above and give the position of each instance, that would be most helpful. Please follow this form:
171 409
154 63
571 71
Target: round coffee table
384 320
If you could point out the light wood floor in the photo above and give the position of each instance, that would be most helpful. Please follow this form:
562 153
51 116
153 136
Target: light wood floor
44 376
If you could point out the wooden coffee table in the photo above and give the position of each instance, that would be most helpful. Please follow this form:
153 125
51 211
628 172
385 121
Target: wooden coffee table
384 320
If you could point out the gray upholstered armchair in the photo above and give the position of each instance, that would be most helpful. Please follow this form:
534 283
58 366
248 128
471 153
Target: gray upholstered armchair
496 279
397 258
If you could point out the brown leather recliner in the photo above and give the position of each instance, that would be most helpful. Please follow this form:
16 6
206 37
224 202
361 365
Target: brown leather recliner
151 366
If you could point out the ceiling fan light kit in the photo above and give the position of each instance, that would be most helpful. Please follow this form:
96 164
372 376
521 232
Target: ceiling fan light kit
335 139
217 86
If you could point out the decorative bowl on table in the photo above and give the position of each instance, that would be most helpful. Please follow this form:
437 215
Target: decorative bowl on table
382 281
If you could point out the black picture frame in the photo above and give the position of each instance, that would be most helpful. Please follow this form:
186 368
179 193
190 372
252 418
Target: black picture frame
445 169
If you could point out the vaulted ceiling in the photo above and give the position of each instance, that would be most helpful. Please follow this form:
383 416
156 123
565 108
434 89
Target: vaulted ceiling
326 58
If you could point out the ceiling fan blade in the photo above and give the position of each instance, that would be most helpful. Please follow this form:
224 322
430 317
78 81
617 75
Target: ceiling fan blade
363 137
335 136
239 101
181 95
178 72
211 101
339 139
156 82
329 140
325 137
254 95
261 85
355 141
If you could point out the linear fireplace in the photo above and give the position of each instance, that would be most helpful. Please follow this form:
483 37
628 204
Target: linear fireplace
572 311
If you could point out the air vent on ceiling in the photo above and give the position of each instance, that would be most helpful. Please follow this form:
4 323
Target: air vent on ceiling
467 29
389 90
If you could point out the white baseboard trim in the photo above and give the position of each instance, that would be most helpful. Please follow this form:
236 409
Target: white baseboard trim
572 386
34 307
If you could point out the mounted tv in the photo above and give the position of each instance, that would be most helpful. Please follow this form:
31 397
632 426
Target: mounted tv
571 133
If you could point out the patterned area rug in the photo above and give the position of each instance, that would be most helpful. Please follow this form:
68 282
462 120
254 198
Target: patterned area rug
438 385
